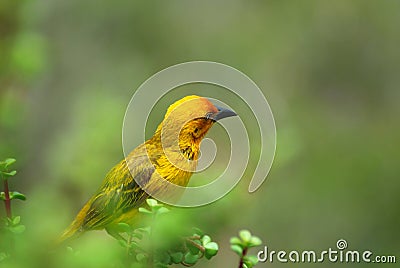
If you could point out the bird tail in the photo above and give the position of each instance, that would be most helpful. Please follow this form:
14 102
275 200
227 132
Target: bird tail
75 229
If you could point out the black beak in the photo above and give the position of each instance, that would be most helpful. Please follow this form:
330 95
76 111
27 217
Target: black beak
222 113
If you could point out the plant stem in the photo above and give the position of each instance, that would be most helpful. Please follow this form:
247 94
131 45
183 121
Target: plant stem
242 258
7 200
200 247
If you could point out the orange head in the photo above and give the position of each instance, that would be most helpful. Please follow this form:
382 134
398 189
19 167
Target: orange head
188 121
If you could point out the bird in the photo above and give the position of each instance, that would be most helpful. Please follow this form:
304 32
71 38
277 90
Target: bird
171 155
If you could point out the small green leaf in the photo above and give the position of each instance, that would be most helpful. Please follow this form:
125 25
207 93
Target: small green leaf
124 227
17 195
123 243
17 229
197 231
9 174
72 251
145 210
235 241
193 249
208 256
255 241
135 245
2 196
251 259
162 210
151 202
237 249
8 162
177 257
163 257
245 236
190 258
158 210
137 235
16 220
145 230
211 249
206 239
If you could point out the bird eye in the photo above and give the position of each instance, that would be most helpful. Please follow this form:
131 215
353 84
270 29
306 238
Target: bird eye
196 130
208 115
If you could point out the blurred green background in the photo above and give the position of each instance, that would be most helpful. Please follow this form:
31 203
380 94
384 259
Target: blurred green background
329 69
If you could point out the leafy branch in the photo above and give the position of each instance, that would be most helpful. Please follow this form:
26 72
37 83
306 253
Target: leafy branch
161 244
9 223
241 245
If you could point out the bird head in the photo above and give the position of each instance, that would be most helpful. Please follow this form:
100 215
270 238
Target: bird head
188 120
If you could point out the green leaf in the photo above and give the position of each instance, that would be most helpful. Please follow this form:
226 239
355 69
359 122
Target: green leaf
208 256
137 235
245 236
72 251
177 257
145 211
8 162
162 210
151 202
16 220
145 230
123 243
17 229
17 195
211 249
255 241
206 239
163 257
251 259
198 232
193 249
235 241
9 174
124 227
2 196
190 258
237 249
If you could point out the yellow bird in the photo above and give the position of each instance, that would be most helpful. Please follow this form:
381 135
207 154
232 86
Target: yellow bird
171 154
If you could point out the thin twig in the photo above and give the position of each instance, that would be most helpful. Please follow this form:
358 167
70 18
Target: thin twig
242 258
7 199
200 247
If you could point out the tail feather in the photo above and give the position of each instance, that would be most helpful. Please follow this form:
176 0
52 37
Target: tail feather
75 229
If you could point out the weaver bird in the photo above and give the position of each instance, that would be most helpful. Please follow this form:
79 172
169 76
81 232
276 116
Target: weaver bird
170 155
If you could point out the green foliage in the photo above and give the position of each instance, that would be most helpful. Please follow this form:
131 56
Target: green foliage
160 244
13 225
4 171
6 174
9 226
240 245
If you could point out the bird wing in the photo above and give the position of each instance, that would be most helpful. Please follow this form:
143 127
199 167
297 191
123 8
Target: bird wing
119 192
